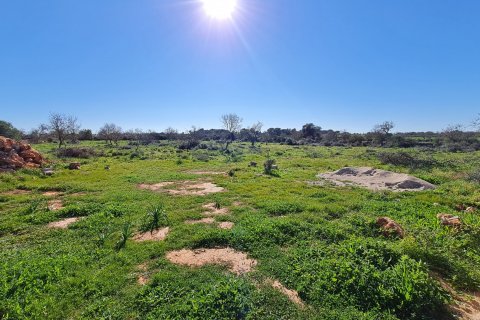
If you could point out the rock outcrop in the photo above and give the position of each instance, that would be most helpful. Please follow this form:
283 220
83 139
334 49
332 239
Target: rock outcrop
16 155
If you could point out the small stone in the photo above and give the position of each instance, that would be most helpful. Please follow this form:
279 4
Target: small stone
390 227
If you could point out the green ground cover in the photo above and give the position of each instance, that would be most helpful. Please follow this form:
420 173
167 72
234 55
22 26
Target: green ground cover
321 241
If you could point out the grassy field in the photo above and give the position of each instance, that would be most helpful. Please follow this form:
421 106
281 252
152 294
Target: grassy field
321 241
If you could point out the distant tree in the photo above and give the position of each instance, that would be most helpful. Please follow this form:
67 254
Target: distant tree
384 128
9 131
85 134
311 131
63 127
233 124
453 133
38 134
254 132
381 132
476 123
171 133
110 132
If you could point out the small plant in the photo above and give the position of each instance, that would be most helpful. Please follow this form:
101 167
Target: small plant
269 166
155 218
103 236
125 234
34 206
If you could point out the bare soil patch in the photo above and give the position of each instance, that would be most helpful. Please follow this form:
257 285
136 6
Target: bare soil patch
292 295
376 179
237 262
156 235
466 305
143 277
154 187
194 188
55 205
213 210
63 224
227 225
51 193
16 192
204 221
200 172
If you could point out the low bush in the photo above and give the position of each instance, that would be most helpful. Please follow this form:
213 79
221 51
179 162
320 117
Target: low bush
83 153
406 159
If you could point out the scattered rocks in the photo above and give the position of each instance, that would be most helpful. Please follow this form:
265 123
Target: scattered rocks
16 155
74 166
470 210
237 262
63 224
376 179
48 171
390 227
156 235
449 220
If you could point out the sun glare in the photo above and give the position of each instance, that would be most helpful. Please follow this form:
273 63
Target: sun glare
219 9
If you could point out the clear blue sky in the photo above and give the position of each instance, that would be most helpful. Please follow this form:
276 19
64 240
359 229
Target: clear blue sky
150 64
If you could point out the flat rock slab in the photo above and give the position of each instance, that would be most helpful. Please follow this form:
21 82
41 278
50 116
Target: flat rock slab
376 179
63 224
237 262
156 235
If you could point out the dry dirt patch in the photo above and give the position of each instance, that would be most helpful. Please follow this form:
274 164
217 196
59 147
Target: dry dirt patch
376 179
156 235
292 295
63 224
213 210
204 221
200 172
194 188
466 305
55 205
237 262
227 225
16 192
51 193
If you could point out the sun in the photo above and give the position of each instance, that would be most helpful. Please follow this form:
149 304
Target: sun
220 9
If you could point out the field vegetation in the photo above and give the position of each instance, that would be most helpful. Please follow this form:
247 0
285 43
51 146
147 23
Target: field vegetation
319 240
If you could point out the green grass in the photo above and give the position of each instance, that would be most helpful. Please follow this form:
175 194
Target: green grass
319 240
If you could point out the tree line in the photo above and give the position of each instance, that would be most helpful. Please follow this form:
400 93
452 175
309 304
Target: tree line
64 129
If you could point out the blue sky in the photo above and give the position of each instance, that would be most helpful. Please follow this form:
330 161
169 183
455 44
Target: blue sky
150 64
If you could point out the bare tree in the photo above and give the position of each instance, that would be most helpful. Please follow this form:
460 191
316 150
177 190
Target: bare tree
233 124
110 132
476 123
63 126
254 132
171 133
381 131
73 128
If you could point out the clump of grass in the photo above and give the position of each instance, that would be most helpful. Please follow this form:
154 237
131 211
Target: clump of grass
474 176
155 218
34 206
269 166
125 234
